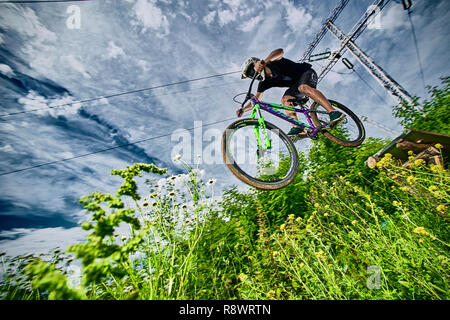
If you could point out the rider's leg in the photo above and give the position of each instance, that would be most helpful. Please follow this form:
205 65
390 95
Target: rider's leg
286 103
316 95
295 130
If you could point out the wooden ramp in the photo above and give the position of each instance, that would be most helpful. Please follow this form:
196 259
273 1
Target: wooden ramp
422 143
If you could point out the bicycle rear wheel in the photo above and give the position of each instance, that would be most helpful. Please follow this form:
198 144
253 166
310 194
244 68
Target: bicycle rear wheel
263 168
349 132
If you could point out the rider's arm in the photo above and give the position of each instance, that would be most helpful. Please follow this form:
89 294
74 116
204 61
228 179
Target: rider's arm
248 107
274 55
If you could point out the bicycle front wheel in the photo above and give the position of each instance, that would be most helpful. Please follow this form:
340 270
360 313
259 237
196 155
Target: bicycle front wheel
267 167
348 133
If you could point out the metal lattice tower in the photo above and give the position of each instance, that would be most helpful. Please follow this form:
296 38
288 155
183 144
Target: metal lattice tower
394 88
334 14
347 43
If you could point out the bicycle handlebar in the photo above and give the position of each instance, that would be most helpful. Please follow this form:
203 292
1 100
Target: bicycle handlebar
249 93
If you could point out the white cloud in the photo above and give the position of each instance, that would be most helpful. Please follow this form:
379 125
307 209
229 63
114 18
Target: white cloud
7 148
149 16
114 51
209 17
6 70
297 19
249 25
39 240
76 65
225 17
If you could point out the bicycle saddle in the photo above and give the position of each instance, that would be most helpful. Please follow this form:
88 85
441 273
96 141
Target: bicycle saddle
298 101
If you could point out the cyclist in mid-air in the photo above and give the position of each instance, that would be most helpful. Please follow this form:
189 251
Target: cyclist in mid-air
300 78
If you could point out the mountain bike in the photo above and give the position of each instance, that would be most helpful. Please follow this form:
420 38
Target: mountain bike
260 154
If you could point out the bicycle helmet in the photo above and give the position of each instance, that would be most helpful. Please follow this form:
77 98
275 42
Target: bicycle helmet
248 70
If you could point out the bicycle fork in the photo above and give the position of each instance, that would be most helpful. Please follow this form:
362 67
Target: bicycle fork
262 138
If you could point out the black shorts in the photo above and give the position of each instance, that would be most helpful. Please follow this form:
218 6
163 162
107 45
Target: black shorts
308 77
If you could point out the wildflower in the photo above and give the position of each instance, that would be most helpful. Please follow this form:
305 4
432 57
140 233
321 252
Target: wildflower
325 214
332 224
123 238
405 189
327 207
211 181
396 203
441 207
184 206
388 156
316 205
282 227
145 204
275 253
438 146
172 194
270 294
298 219
301 265
173 178
410 153
411 179
291 216
176 158
154 195
432 188
347 183
354 222
419 162
154 204
242 277
421 230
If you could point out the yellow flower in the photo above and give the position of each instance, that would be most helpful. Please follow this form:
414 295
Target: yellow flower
441 207
410 153
438 145
316 205
419 162
354 222
301 265
411 179
405 189
388 156
282 227
291 216
347 183
325 214
270 294
432 188
396 203
298 219
242 277
275 253
421 230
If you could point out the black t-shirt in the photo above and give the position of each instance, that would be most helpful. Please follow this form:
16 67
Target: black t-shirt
284 74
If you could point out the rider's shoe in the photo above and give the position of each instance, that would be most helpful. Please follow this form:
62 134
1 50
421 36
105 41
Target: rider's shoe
296 133
335 117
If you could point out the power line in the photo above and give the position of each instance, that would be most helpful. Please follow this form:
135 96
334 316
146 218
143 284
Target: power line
42 1
413 31
107 149
118 94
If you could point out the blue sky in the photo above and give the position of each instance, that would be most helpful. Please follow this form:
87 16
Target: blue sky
132 44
